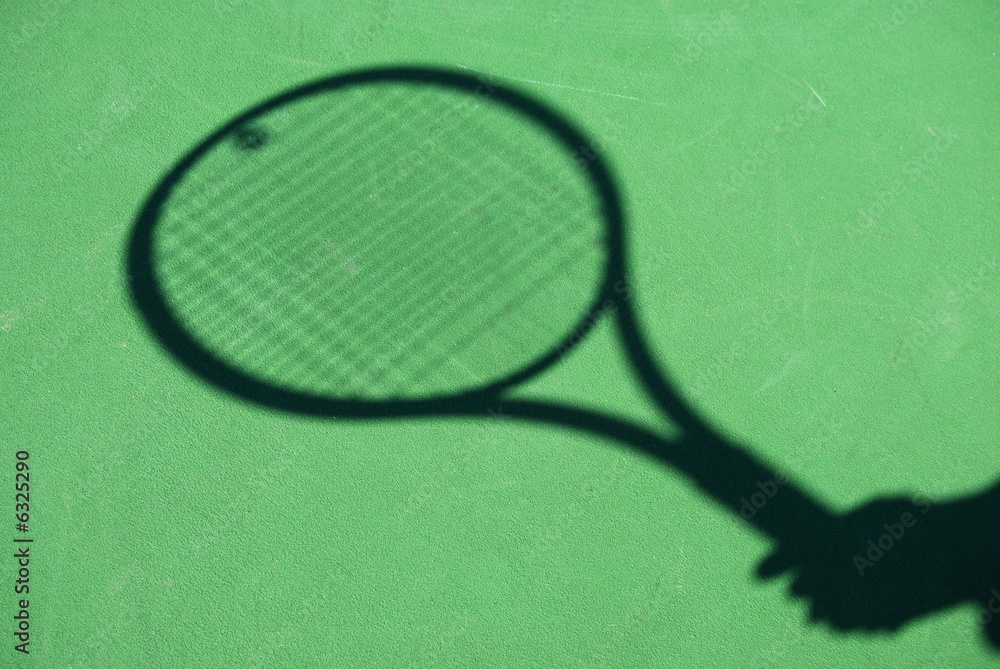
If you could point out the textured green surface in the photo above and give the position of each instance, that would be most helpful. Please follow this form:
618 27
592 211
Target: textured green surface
176 526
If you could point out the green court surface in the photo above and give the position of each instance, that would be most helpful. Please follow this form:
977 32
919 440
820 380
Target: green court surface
809 204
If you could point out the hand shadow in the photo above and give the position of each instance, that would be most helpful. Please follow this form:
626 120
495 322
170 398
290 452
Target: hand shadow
876 568
893 560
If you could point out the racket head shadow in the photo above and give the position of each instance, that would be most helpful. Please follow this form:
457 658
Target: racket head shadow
181 258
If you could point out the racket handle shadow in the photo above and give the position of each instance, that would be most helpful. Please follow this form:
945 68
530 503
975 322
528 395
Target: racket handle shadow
727 473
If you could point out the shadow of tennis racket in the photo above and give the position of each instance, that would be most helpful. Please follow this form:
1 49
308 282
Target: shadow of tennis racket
412 242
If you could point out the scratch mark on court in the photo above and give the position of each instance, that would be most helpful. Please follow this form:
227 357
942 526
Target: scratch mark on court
780 376
702 136
807 292
572 88
782 74
816 94
802 84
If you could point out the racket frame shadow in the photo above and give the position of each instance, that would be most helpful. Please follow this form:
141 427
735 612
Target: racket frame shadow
149 298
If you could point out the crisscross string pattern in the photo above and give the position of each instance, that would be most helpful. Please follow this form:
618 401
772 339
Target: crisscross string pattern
380 241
